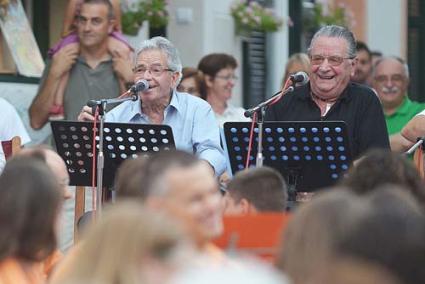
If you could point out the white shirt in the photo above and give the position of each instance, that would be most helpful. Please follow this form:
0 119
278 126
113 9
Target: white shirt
422 112
2 159
232 113
11 124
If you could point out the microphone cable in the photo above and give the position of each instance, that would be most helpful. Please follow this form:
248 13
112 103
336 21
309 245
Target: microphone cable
288 82
93 181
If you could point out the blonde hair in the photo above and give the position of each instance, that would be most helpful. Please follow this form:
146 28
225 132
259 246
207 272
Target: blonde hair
113 249
296 58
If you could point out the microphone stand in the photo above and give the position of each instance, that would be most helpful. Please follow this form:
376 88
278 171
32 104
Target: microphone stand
261 110
101 105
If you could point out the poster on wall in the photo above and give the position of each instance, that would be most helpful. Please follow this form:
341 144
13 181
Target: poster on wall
20 39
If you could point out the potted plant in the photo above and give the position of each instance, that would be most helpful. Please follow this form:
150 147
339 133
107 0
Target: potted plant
323 15
250 16
135 13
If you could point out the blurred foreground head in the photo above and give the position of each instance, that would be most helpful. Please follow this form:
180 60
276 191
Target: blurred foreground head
129 244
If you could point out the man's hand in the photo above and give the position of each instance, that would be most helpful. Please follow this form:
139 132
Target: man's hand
64 59
86 114
122 66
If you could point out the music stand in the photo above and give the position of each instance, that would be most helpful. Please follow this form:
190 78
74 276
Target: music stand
121 141
309 154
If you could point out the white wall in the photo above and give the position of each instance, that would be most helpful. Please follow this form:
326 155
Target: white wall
211 29
387 26
278 50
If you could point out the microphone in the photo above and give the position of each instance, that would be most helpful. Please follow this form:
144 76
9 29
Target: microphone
139 86
129 95
300 77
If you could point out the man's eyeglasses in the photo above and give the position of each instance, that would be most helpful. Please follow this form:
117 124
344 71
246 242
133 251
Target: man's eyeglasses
227 78
333 60
155 70
396 78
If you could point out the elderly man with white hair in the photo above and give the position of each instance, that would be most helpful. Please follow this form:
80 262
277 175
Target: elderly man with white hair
192 120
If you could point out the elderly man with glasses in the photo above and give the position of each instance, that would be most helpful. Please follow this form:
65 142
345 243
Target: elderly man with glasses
330 96
192 120
391 82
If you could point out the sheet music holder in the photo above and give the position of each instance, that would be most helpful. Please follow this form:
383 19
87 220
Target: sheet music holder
121 141
309 154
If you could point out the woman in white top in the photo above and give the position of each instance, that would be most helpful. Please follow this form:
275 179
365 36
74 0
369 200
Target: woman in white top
219 80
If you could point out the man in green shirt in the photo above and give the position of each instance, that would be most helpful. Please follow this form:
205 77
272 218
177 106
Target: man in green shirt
391 80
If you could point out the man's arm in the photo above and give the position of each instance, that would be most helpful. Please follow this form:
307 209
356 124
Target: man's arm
399 143
372 129
206 139
415 128
122 65
61 63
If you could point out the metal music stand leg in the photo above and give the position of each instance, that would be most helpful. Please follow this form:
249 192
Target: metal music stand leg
260 121
100 160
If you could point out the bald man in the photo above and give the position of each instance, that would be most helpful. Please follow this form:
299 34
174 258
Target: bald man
54 162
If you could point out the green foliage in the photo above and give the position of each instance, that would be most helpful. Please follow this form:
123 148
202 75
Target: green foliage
253 16
131 21
320 17
153 11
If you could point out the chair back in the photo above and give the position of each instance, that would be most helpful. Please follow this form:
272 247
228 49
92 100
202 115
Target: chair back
257 234
11 147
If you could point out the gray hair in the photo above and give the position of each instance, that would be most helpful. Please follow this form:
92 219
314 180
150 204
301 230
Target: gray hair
401 61
164 45
338 32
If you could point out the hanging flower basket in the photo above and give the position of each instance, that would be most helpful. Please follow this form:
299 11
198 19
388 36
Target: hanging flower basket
134 14
323 15
254 17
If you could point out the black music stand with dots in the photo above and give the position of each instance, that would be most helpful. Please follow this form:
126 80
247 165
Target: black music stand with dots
121 141
309 154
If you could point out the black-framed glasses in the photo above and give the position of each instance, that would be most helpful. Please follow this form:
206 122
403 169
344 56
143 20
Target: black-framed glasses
333 60
155 70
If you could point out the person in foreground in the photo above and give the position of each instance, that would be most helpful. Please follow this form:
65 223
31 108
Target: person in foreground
30 203
148 248
330 96
192 120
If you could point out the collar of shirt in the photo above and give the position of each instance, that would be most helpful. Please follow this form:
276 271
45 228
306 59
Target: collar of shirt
134 109
403 108
82 60
306 89
229 111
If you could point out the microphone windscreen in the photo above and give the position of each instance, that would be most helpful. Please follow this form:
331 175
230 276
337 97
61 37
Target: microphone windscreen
141 85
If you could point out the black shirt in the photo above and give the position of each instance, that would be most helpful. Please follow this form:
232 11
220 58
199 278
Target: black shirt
358 106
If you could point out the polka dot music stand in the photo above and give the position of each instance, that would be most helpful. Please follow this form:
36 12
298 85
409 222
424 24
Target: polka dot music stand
309 154
121 141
